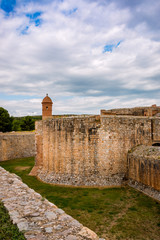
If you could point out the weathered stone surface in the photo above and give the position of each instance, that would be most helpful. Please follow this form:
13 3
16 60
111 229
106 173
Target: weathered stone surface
136 111
50 215
91 151
48 229
144 170
17 145
22 225
88 234
71 237
38 218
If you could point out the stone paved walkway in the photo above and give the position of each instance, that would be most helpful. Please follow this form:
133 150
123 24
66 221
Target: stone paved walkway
37 217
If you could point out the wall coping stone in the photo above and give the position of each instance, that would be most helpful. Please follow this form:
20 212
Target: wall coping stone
38 218
17 133
129 117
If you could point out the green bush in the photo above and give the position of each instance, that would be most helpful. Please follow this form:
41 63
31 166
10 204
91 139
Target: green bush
27 124
5 120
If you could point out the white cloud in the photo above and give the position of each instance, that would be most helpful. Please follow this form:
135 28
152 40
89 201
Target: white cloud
64 57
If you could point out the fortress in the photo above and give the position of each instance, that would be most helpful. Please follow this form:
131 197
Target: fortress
98 150
119 146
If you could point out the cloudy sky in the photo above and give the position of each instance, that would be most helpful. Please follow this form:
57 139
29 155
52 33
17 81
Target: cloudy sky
87 55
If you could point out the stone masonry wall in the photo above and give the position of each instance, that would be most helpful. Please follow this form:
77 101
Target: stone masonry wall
67 149
118 134
38 218
136 111
88 150
17 145
144 169
155 125
124 111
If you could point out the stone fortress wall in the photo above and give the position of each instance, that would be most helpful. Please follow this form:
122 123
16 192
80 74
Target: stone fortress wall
154 110
92 151
144 166
17 145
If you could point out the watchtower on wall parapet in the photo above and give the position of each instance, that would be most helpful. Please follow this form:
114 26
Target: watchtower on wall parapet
47 108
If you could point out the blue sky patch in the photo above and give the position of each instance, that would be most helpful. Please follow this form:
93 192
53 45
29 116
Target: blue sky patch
35 18
110 47
69 12
118 43
38 22
6 96
25 30
8 5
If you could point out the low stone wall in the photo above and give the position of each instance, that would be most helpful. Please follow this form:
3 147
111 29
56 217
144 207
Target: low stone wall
151 192
17 145
38 218
144 170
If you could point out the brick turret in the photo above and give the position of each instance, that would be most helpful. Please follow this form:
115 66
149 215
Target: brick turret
47 107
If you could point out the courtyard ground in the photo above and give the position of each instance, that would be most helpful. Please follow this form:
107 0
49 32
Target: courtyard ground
116 213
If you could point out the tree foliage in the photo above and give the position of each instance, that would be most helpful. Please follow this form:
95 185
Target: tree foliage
16 125
8 123
27 124
5 120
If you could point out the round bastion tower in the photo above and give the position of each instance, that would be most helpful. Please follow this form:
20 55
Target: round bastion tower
46 108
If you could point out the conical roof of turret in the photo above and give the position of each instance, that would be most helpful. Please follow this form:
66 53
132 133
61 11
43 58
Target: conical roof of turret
47 99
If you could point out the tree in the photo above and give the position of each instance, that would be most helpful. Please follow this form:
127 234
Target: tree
27 124
16 125
5 120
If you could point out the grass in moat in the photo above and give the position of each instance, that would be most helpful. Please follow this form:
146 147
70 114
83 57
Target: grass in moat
8 231
116 213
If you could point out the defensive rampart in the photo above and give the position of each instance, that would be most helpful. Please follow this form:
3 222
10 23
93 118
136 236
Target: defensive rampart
90 151
144 169
136 111
17 145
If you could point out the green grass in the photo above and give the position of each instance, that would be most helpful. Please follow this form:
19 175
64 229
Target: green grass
117 213
8 231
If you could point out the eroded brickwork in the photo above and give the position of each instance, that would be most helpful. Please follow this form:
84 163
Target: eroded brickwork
16 145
